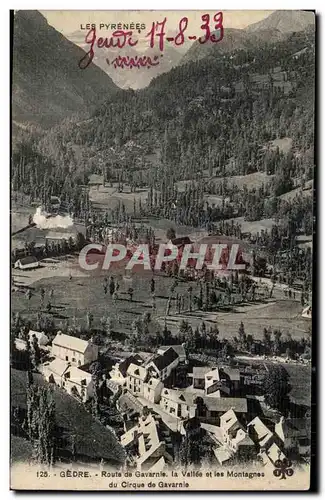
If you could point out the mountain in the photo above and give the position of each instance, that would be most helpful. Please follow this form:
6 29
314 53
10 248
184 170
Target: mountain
285 21
233 39
135 78
47 84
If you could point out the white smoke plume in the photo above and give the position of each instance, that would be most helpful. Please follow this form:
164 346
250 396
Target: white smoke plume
43 222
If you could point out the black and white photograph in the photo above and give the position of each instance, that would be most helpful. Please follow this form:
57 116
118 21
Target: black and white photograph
162 229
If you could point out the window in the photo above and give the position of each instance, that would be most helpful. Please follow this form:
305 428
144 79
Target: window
67 358
73 359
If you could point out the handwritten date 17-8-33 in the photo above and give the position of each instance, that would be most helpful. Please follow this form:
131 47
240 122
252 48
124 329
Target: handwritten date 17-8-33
212 31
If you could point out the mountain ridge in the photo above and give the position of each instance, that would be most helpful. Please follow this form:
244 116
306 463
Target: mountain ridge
47 84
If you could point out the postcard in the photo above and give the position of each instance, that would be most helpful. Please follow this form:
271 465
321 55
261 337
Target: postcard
162 223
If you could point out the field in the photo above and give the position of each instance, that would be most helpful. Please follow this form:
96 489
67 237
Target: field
73 298
92 439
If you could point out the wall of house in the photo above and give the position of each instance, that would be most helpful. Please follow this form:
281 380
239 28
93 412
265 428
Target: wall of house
152 395
163 374
91 353
135 385
177 409
76 358
115 374
84 391
199 383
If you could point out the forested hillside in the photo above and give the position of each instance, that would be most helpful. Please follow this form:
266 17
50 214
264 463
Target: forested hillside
202 122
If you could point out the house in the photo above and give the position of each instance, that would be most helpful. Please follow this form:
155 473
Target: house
293 434
162 365
78 383
128 405
136 377
178 403
119 370
76 351
152 390
42 339
234 434
260 433
25 263
214 384
215 380
149 443
199 373
210 409
53 371
270 455
179 349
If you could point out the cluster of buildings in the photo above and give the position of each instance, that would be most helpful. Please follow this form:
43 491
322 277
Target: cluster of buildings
159 398
69 363
156 413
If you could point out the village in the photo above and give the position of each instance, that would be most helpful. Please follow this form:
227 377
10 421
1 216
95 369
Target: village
169 410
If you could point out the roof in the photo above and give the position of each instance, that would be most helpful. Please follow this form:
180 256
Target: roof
224 404
129 402
77 375
57 366
30 259
262 432
124 365
222 454
70 342
179 349
274 453
183 240
41 337
137 371
164 360
233 373
228 419
154 382
201 371
242 438
179 396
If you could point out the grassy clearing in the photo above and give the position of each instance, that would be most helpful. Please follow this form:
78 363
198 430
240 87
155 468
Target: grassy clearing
20 449
73 298
254 180
255 225
108 198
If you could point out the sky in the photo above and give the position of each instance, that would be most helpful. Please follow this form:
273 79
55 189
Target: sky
69 21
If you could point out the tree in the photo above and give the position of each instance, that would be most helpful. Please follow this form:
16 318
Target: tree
80 241
152 286
41 423
276 388
36 353
89 319
170 234
242 335
42 292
